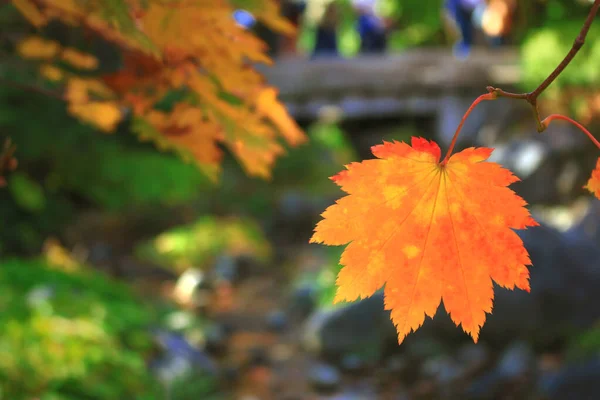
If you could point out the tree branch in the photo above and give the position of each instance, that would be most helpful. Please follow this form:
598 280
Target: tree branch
532 97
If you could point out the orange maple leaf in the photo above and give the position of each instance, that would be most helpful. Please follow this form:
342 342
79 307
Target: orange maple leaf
429 232
593 184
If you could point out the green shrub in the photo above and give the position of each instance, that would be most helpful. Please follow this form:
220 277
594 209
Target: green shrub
71 335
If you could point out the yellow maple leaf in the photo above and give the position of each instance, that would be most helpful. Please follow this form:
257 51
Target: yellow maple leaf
36 47
31 12
269 106
79 59
192 46
51 72
103 114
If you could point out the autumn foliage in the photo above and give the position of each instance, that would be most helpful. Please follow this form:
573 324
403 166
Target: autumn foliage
424 229
189 46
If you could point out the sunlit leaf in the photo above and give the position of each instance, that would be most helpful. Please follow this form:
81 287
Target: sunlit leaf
427 232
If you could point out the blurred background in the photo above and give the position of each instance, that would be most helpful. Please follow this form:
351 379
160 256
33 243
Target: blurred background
126 273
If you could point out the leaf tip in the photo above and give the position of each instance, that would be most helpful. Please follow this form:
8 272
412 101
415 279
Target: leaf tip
337 178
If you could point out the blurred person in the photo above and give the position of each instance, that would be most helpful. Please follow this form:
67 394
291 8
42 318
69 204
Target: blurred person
372 28
492 17
460 13
326 41
496 20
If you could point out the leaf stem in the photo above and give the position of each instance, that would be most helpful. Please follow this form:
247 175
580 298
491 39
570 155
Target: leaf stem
553 117
577 45
483 97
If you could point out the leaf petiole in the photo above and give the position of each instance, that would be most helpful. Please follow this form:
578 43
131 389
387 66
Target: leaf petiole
492 95
553 117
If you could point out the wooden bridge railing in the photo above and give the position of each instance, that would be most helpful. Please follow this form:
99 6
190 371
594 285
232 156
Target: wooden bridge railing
416 82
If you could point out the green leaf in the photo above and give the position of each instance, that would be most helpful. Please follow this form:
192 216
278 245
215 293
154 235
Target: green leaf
27 193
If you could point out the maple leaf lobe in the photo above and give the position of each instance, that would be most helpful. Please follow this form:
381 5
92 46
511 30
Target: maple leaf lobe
593 184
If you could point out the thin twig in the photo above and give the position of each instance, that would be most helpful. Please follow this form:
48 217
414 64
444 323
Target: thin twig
532 97
577 45
553 117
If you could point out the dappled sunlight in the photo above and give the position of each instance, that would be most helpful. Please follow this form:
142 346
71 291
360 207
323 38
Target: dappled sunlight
196 244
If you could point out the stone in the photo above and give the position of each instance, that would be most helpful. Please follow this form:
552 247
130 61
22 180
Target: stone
511 375
215 339
473 357
579 381
258 356
516 361
324 378
531 161
363 328
178 360
564 279
352 363
277 321
303 301
400 367
443 369
563 299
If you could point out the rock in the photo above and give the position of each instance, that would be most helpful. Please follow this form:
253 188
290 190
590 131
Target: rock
179 360
281 352
400 367
230 373
531 161
100 253
234 269
351 394
225 268
363 328
324 378
215 339
588 227
579 381
510 376
277 321
169 369
303 301
473 357
443 369
486 386
421 346
403 394
564 279
518 360
352 363
176 347
258 356
193 287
